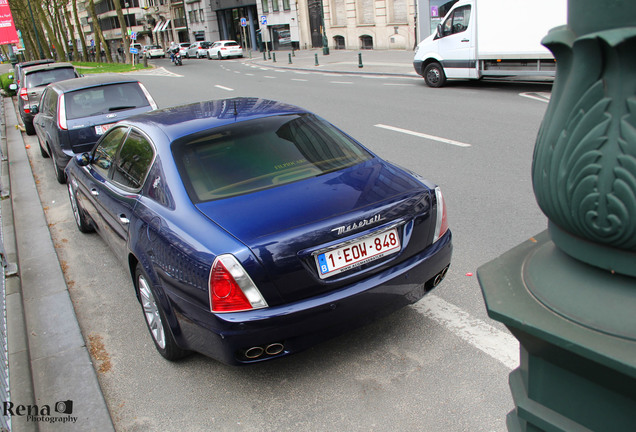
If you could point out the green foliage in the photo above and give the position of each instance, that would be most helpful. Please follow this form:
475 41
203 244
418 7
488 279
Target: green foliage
5 81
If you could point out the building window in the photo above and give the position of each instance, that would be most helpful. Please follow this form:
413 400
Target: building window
275 5
201 16
265 6
286 5
366 11
339 42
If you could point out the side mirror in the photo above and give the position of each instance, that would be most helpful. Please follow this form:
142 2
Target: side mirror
83 159
440 30
35 109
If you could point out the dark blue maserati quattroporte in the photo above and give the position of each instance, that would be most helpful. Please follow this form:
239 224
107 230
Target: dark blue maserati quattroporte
254 229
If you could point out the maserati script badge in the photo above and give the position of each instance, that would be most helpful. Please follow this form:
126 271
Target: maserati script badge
346 228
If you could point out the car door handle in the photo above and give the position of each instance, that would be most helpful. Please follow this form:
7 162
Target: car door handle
94 192
123 219
465 40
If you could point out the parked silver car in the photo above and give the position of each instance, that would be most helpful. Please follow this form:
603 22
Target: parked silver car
198 49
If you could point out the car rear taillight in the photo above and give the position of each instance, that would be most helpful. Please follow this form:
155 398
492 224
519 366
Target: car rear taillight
61 113
23 94
231 288
441 224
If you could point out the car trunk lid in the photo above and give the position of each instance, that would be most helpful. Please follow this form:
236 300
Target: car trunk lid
288 226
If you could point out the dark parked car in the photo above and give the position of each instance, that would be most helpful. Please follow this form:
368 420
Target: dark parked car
33 81
17 69
254 229
74 114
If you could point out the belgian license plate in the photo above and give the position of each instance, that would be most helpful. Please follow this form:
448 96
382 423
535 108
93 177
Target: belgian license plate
356 253
101 129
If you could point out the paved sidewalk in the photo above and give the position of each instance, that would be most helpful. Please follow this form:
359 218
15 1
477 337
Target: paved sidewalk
375 62
48 359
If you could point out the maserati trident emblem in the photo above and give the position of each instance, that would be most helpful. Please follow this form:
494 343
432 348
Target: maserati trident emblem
364 222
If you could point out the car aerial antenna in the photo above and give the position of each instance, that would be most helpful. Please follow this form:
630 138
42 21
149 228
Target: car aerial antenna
235 110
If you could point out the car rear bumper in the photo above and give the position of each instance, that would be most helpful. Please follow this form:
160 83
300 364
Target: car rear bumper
300 325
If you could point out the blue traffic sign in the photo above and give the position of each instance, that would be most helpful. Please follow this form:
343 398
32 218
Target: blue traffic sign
263 19
134 51
243 22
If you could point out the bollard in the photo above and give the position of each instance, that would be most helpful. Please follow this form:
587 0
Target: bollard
274 57
293 52
290 61
316 58
360 60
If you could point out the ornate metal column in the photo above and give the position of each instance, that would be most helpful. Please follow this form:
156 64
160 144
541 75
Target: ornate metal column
569 294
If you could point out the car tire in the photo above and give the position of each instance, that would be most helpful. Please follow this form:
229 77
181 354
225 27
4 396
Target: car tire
29 128
83 221
209 57
219 56
43 152
60 175
434 75
156 319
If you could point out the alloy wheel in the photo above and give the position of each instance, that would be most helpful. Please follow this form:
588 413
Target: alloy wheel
151 312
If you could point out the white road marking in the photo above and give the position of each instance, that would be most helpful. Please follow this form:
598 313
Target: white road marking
497 344
541 97
270 77
224 88
299 79
340 82
426 136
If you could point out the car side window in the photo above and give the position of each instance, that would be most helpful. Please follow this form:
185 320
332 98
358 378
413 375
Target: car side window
457 22
51 103
105 152
133 162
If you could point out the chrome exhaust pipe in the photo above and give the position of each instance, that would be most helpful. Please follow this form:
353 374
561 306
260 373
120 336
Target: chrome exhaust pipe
254 352
275 348
440 277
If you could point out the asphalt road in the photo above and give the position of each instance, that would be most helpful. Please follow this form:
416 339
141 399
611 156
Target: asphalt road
440 365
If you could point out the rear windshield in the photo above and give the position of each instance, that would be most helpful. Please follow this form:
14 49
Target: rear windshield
205 44
260 154
103 100
232 44
48 76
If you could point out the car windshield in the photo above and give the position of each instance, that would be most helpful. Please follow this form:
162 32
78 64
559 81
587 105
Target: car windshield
48 76
205 44
262 153
103 100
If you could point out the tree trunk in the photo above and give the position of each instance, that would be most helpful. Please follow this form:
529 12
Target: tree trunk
80 32
124 30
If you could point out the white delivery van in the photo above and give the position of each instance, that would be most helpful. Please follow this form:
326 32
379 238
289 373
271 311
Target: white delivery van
490 38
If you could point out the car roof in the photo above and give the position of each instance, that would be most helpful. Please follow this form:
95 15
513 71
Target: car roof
47 66
89 81
35 62
180 121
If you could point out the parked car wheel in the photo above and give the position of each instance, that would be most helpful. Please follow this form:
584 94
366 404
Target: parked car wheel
434 75
60 175
155 319
43 152
84 224
209 57
29 128
219 56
